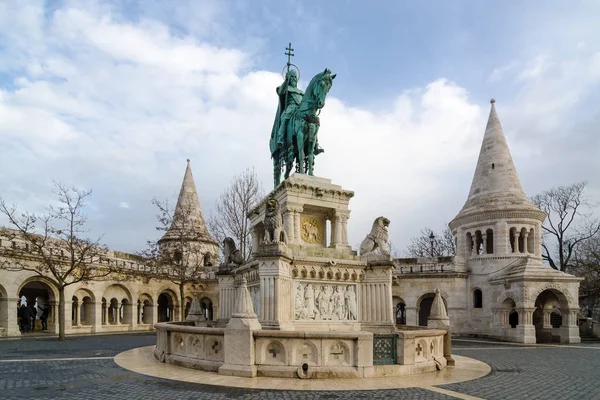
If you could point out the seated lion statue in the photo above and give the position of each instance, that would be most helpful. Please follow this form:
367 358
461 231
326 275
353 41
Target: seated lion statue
273 223
376 241
231 254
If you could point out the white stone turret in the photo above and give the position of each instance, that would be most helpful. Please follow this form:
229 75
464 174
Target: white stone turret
498 219
188 223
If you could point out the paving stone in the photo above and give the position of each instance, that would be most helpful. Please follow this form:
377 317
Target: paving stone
517 373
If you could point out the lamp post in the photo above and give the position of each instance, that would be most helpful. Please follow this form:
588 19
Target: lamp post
431 238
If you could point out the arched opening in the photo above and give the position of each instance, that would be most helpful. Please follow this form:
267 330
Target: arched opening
208 260
477 298
548 316
424 307
531 242
104 312
513 319
522 241
508 314
74 310
489 241
38 299
478 243
512 239
113 312
400 310
165 307
207 308
469 244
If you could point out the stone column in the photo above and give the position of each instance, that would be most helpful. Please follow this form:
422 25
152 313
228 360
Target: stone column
288 224
105 310
516 241
525 236
10 321
139 313
569 331
54 306
547 324
525 329
226 298
77 314
297 235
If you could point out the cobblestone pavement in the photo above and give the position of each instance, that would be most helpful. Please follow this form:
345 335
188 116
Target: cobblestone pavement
90 373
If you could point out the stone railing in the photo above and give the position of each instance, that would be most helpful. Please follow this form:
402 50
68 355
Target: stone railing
294 354
190 346
300 354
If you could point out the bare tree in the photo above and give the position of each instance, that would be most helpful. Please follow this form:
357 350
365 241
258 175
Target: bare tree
232 207
569 222
59 251
430 244
586 263
185 253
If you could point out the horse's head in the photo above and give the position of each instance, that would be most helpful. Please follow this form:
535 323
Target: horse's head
319 86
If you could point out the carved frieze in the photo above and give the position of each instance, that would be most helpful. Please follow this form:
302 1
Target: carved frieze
325 302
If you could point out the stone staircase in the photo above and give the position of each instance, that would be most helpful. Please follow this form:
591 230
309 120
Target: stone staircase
588 337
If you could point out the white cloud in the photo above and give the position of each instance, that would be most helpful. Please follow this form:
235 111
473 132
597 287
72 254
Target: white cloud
118 106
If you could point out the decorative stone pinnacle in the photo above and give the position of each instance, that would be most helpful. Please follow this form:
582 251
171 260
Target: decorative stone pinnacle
243 302
492 101
188 160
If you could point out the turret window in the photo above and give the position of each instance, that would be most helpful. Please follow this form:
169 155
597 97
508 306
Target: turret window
492 165
489 241
477 299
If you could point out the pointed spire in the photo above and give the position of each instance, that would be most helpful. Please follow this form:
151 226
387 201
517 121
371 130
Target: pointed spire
495 182
188 208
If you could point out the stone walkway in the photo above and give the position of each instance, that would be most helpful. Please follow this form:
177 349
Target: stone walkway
83 368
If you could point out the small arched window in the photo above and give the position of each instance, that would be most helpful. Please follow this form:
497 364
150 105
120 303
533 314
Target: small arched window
477 298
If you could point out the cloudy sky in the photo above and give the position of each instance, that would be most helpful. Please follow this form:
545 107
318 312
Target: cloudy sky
114 96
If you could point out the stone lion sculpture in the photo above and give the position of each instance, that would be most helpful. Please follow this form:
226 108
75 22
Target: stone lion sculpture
274 223
231 254
376 240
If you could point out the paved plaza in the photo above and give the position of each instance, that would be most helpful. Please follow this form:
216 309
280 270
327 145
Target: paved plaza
83 368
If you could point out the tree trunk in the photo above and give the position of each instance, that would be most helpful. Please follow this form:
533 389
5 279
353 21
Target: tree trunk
181 302
61 313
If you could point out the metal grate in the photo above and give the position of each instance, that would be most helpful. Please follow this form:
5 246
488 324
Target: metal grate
384 349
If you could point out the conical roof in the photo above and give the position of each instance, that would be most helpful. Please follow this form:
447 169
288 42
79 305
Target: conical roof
496 185
187 217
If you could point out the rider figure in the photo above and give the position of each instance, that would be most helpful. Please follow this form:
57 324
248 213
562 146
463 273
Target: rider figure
290 98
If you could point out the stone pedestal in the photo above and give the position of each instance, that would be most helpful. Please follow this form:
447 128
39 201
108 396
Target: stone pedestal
239 340
376 294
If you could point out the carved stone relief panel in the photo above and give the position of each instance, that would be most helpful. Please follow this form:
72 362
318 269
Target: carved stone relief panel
325 302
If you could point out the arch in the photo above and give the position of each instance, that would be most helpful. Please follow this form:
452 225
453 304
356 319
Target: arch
478 242
400 310
40 293
559 290
207 307
547 317
513 319
424 303
512 242
470 244
477 298
166 306
489 241
117 291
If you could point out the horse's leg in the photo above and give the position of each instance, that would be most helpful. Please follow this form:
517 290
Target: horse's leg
300 137
277 167
312 135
